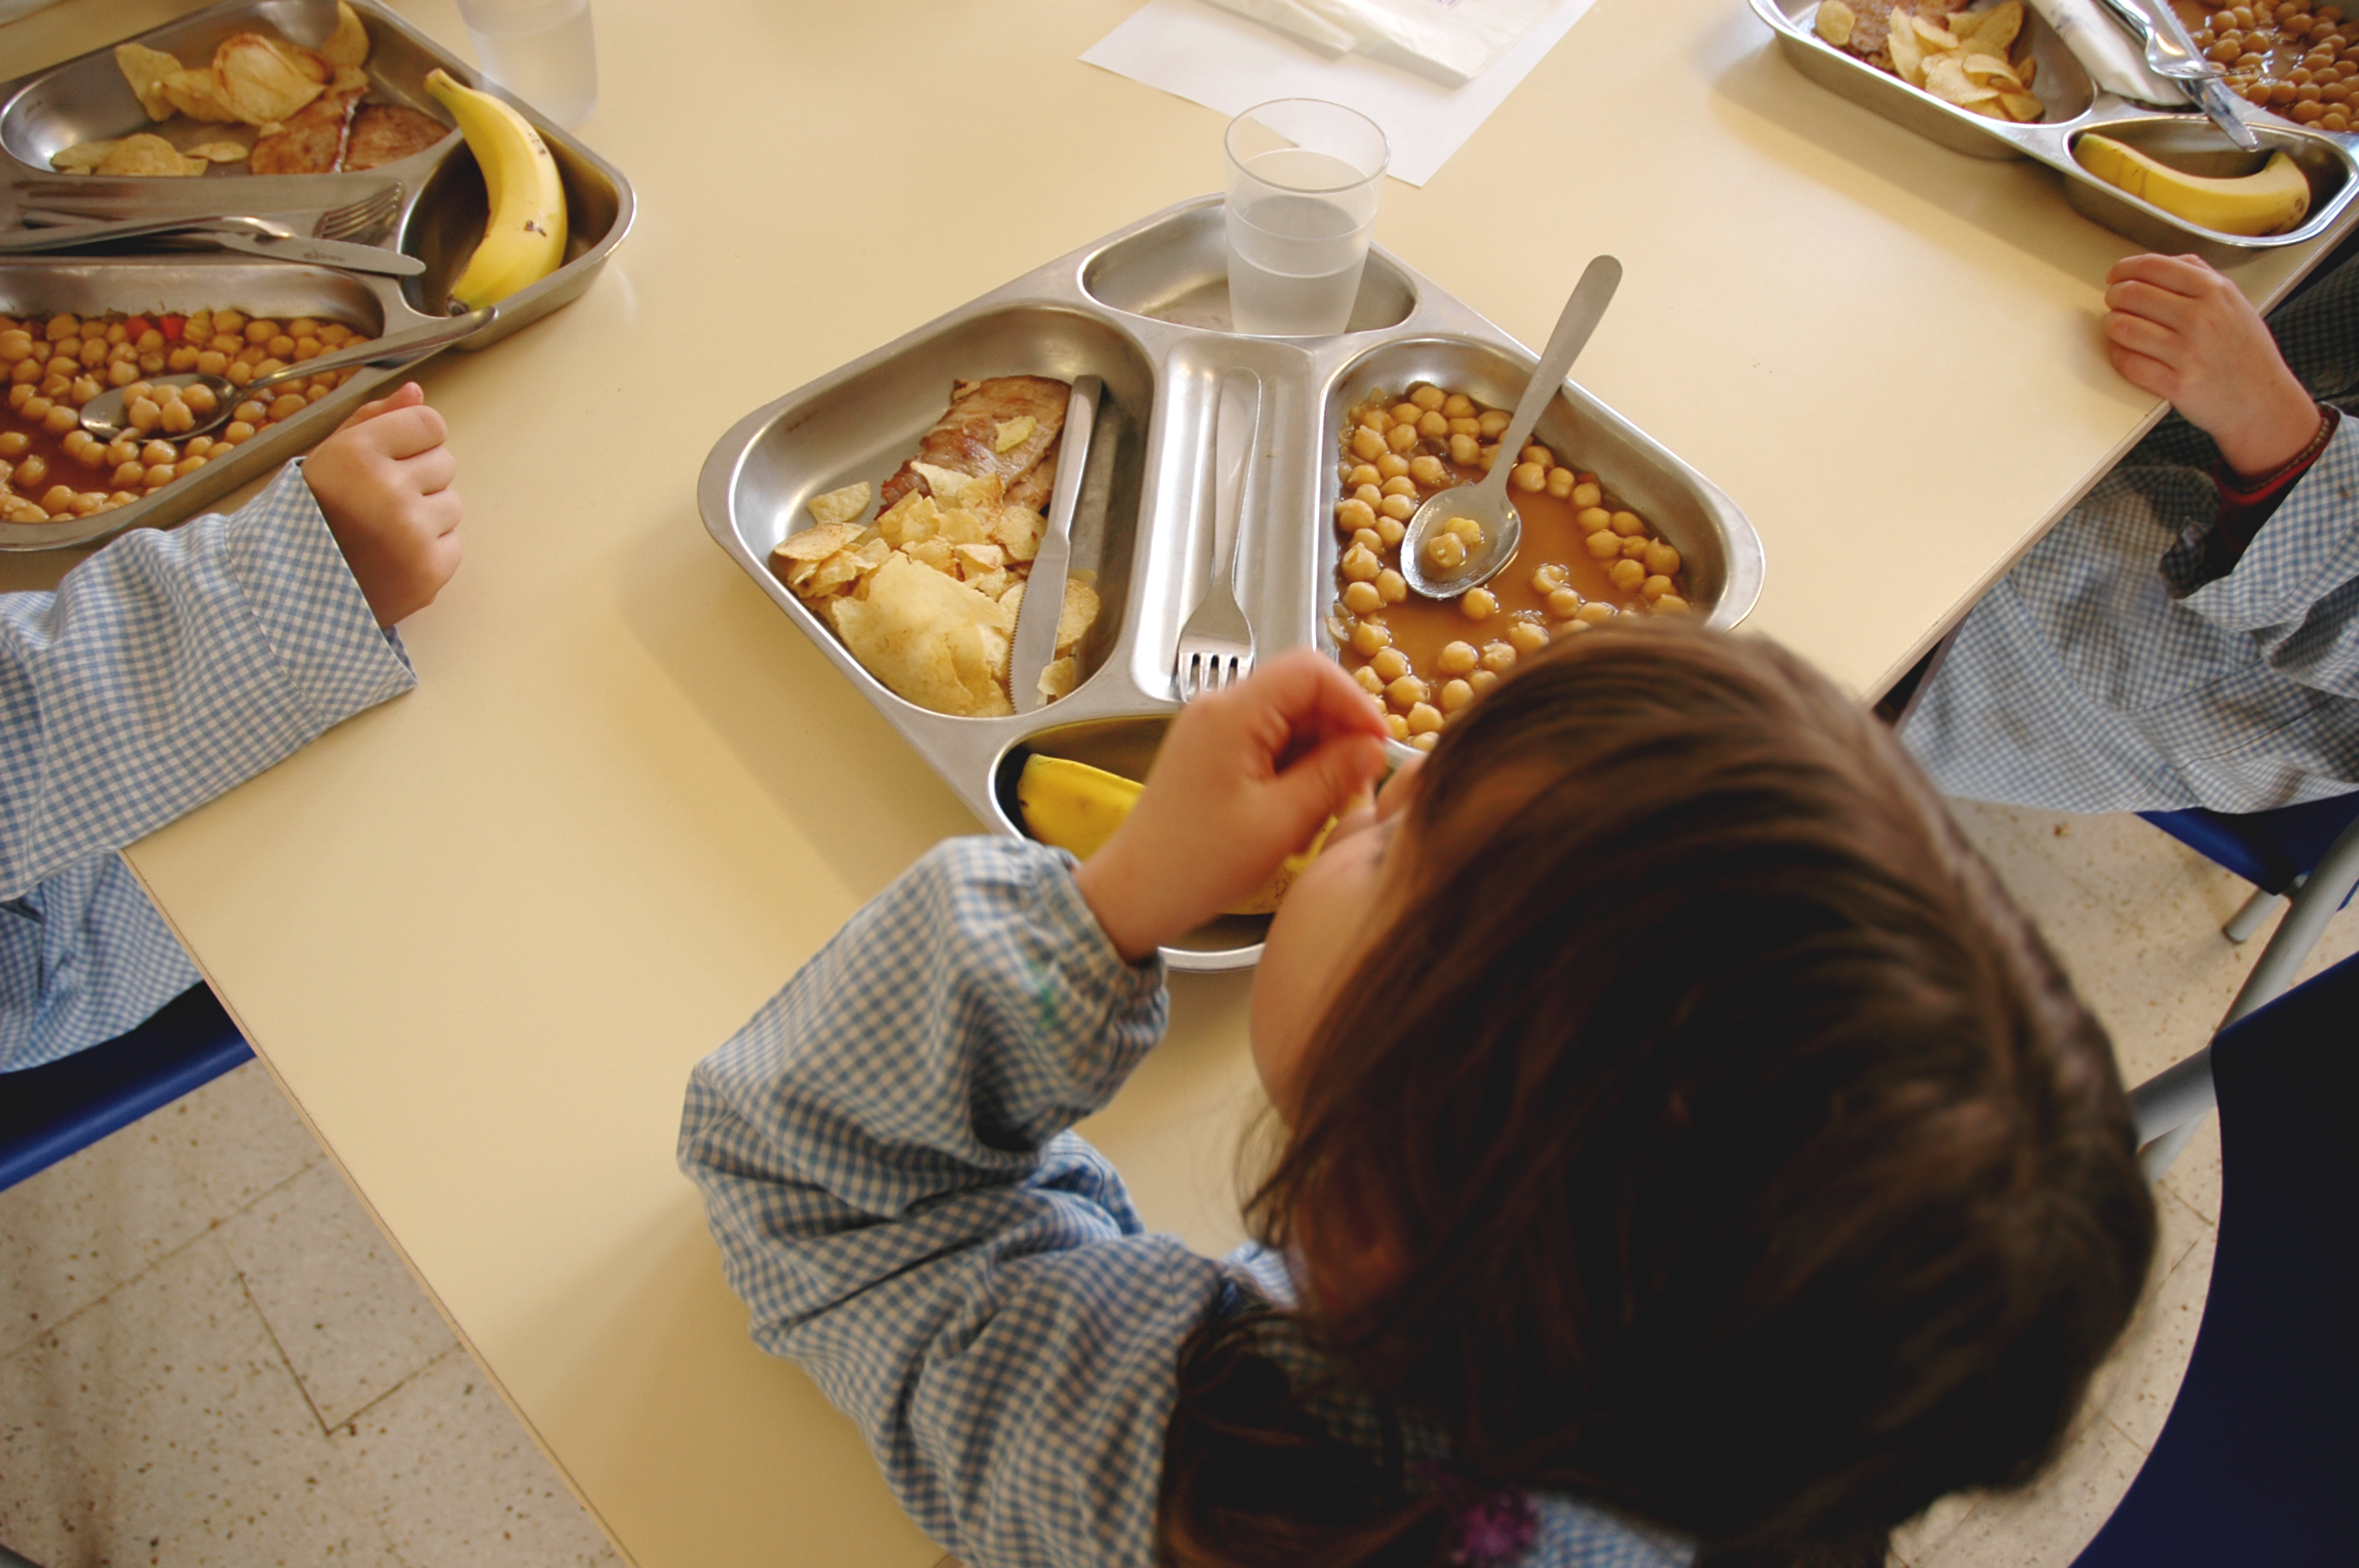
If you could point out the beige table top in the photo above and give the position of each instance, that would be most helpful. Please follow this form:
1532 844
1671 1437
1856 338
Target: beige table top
481 934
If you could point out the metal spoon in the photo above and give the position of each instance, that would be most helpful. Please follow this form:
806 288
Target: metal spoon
1487 503
103 416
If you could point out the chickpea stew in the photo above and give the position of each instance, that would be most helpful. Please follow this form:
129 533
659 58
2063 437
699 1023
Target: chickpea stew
2297 60
1585 559
52 470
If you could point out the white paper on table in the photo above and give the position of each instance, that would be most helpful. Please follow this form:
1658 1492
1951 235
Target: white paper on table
1195 50
1454 42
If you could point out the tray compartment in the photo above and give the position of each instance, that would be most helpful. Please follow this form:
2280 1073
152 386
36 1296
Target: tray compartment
1721 553
1176 269
2196 146
44 286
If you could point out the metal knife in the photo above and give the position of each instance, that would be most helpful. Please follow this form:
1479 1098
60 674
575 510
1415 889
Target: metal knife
321 253
2172 54
1043 605
256 235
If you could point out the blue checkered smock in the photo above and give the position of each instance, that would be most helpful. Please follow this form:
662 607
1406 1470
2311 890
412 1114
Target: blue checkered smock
164 670
887 1162
2107 672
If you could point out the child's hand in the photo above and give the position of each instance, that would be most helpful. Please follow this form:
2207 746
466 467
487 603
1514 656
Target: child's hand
383 481
1243 780
2179 329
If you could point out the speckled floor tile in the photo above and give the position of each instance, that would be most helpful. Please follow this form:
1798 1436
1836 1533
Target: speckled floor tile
82 1227
455 1483
2047 1526
161 1428
351 1321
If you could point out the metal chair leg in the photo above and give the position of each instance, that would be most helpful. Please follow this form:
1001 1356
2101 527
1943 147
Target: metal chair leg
2253 916
2312 907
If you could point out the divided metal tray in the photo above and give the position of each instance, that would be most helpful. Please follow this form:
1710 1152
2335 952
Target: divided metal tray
2183 138
1146 310
442 215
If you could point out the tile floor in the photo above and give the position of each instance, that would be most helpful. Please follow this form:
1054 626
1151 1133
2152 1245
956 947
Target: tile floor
207 1355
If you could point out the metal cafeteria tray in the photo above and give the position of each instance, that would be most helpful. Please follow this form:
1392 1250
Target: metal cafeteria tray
441 217
1146 310
2185 139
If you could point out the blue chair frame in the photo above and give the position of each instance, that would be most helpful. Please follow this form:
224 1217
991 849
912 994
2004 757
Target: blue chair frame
59 1107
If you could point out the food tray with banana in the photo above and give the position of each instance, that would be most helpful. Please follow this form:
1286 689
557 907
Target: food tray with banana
2167 178
997 527
357 193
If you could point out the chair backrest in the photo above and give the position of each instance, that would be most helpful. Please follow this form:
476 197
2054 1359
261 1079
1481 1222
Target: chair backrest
2267 848
2260 1449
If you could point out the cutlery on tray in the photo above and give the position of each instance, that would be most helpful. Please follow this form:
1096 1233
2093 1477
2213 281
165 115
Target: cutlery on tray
256 236
2172 54
1043 605
1216 645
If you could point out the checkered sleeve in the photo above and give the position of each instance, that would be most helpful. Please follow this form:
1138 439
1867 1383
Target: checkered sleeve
2295 592
886 1167
169 668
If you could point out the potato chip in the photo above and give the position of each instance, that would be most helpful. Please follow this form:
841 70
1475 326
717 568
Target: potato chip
1011 601
991 585
1059 677
973 560
1019 531
934 553
934 642
841 506
1989 71
959 525
831 574
82 158
144 69
870 555
349 44
1835 21
222 152
947 485
912 518
148 153
1993 31
1945 78
816 543
197 93
1014 433
1934 37
2022 107
1907 56
1079 614
263 80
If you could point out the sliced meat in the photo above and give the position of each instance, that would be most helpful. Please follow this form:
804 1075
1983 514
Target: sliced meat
309 141
966 439
387 133
1034 489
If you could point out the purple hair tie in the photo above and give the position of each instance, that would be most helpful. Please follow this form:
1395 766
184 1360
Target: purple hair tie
1485 1529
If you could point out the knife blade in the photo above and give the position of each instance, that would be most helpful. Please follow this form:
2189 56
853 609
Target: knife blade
2220 104
321 253
1043 605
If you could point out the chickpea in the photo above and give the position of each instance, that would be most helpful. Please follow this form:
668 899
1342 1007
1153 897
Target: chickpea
58 498
160 476
228 344
1559 482
127 474
335 335
1536 453
1390 665
181 359
13 443
1661 559
64 325
1494 424
94 353
1565 629
269 367
1605 545
260 332
25 373
236 432
17 509
1466 428
1406 693
1528 477
1444 552
1424 719
176 418
1626 575
1366 445
1590 519
286 405
121 375
1634 548
238 373
1429 472
307 349
1564 603
1458 405
1362 597
1401 438
84 388
1478 603
1373 420
1654 588
1404 486
1368 536
1353 514
79 442
1369 497
32 471
1458 658
1427 398
1466 528
1483 680
1392 465
1425 743
201 399
155 452
187 466
1586 495
1670 604
199 446
1596 612
1526 636
15 345
1397 725
1370 682
1628 524
1399 508
1455 695
89 502
122 449
1462 448
61 419
37 409
1484 457
1433 426
1391 531
1364 473
1548 579
1391 586
1361 565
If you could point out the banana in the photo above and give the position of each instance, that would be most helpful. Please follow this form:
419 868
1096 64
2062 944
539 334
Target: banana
2267 203
1076 806
523 241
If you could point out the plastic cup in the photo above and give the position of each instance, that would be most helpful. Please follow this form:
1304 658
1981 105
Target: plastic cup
1303 182
541 51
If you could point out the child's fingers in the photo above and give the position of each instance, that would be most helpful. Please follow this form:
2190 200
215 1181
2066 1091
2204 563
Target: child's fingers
2150 376
1309 694
405 432
2179 275
1323 783
432 470
2134 297
2140 336
407 394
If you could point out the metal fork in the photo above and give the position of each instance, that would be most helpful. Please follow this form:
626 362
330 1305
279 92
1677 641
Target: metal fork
363 221
1216 646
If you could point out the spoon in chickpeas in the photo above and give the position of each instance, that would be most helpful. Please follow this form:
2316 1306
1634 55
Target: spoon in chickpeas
1464 537
191 402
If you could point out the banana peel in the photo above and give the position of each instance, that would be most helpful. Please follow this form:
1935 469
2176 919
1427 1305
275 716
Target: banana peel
2269 202
1076 806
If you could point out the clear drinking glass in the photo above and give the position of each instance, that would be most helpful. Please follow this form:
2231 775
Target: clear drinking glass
541 51
1304 177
